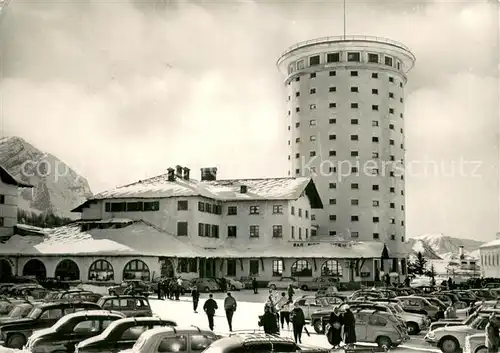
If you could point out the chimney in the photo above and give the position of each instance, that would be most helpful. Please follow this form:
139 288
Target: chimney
185 173
243 189
461 252
498 235
208 174
171 175
178 171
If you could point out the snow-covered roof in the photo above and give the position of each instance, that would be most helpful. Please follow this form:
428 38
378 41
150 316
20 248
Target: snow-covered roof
142 239
7 178
492 244
222 190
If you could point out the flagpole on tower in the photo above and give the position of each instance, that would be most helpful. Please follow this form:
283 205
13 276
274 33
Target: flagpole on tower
344 20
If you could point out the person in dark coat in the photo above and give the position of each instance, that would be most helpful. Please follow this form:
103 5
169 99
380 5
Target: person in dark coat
268 320
254 285
298 322
349 327
492 340
159 290
196 298
407 281
291 292
335 331
209 307
387 280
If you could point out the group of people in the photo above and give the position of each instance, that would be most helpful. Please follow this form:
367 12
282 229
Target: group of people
210 307
170 288
341 327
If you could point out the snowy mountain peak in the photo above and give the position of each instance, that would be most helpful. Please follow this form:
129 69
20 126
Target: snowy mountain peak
57 188
440 245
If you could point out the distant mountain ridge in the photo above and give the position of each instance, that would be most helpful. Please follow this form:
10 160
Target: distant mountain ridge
435 246
57 188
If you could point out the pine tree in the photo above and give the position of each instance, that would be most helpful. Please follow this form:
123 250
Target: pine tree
418 267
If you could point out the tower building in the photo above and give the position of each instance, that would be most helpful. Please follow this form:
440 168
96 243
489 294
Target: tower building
345 121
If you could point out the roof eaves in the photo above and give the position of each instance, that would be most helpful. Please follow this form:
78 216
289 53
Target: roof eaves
7 178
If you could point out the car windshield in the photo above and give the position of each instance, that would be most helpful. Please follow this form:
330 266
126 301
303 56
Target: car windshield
478 323
398 308
62 321
35 313
20 310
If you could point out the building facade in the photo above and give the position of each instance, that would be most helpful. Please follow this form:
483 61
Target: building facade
345 123
490 258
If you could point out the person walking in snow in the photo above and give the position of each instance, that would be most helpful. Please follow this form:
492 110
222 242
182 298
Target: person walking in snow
254 286
291 292
298 321
210 307
196 298
230 308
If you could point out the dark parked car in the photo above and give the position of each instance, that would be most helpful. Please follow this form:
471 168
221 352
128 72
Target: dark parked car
70 330
79 296
15 334
18 312
121 334
141 288
129 305
54 284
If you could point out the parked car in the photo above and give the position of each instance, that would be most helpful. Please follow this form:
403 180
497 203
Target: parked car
205 284
475 343
310 304
415 323
7 304
451 339
15 334
259 342
420 305
247 282
18 312
70 330
129 305
378 327
169 339
283 283
318 283
80 296
54 284
121 334
141 287
235 284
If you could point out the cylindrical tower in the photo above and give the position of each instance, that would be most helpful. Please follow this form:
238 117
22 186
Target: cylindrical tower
345 121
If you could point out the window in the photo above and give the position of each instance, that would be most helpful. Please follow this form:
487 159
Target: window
297 109
312 153
312 91
232 211
292 210
332 73
231 268
297 124
312 75
300 66
354 202
391 79
354 137
133 333
392 189
87 326
333 217
354 218
152 206
182 229
374 75
297 155
376 236
332 186
388 61
312 106
293 232
332 137
173 344
391 95
354 105
306 214
136 269
354 73
332 105
373 58
374 123
312 138
354 153
134 206
277 209
277 231
254 268
374 154
231 231
312 122
393 236
391 126
375 139
332 89
391 142
391 110
333 201
301 268
297 94
101 270
332 58
354 121
374 107
374 91
182 205
118 207
2 221
201 206
354 89
375 187
332 233
331 268
314 60
254 209
353 57
332 153
277 268
354 186
354 234
375 219
254 231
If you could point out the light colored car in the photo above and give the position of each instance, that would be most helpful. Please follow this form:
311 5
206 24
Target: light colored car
475 344
318 283
234 284
415 323
169 339
451 339
205 284
310 304
421 305
283 283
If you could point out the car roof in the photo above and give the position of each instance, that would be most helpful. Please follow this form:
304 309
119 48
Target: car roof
139 320
84 313
169 329
126 296
65 304
257 337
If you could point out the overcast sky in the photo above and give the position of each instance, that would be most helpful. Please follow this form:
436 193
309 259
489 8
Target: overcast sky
122 90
